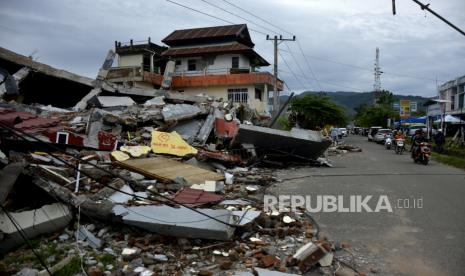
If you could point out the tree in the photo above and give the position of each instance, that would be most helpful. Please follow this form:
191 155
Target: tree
315 111
378 114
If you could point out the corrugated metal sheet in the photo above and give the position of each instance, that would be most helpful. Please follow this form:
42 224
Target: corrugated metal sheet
202 33
192 197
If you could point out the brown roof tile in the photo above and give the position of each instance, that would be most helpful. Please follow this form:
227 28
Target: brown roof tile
192 197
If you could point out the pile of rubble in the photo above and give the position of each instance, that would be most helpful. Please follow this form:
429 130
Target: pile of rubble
168 185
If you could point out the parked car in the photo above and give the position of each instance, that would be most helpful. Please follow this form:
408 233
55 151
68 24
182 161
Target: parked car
343 131
381 135
411 129
373 130
339 133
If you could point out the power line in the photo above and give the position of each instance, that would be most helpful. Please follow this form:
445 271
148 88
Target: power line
292 72
256 16
365 69
298 66
330 83
308 64
207 14
243 18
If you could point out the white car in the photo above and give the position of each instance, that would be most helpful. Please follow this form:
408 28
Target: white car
381 135
343 131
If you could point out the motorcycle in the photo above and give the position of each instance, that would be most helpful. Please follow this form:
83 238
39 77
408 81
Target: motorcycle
423 154
400 146
388 142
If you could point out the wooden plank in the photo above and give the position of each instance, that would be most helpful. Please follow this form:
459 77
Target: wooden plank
166 170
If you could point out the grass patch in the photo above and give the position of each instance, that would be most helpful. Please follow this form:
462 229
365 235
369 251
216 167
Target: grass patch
72 268
458 162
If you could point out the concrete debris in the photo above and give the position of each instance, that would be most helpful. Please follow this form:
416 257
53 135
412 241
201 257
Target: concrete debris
179 112
161 182
113 101
179 222
84 235
47 219
299 144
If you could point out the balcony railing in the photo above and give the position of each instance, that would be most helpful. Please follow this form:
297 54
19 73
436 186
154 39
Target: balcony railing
213 71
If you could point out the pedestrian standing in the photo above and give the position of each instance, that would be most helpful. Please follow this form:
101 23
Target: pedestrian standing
334 133
440 140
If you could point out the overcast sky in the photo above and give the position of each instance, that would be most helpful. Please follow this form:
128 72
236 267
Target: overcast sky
338 37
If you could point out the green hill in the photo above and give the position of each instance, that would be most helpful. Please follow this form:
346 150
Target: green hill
351 100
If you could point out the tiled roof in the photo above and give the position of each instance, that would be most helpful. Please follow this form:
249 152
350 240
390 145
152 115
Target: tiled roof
229 32
192 197
25 121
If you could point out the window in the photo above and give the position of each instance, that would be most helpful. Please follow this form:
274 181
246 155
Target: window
238 95
235 62
452 105
178 62
62 138
461 100
258 94
191 65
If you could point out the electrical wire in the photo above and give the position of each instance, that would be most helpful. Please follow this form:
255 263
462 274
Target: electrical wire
298 66
256 16
308 65
292 71
13 129
213 16
238 16
26 239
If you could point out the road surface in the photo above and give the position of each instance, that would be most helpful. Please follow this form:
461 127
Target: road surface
409 241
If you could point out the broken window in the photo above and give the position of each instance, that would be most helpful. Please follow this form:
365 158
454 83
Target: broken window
238 95
62 138
191 65
235 62
258 94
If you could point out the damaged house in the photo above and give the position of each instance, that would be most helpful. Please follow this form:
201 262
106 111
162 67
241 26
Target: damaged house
218 61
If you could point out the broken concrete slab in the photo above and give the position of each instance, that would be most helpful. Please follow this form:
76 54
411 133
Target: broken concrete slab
206 129
114 101
302 144
266 272
179 112
246 216
156 101
82 234
8 176
188 129
47 219
179 222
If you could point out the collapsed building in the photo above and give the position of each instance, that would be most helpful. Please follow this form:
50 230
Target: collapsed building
169 145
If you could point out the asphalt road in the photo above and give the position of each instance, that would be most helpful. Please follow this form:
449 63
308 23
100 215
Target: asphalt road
408 241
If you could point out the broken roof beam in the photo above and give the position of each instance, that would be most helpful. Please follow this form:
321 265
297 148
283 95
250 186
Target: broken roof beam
101 76
43 68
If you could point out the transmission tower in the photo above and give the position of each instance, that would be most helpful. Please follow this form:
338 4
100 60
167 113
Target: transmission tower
377 73
377 84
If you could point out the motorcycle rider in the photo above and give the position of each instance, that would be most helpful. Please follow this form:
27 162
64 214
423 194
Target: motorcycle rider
417 139
399 135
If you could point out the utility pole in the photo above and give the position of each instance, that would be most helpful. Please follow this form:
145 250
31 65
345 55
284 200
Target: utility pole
426 7
276 41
